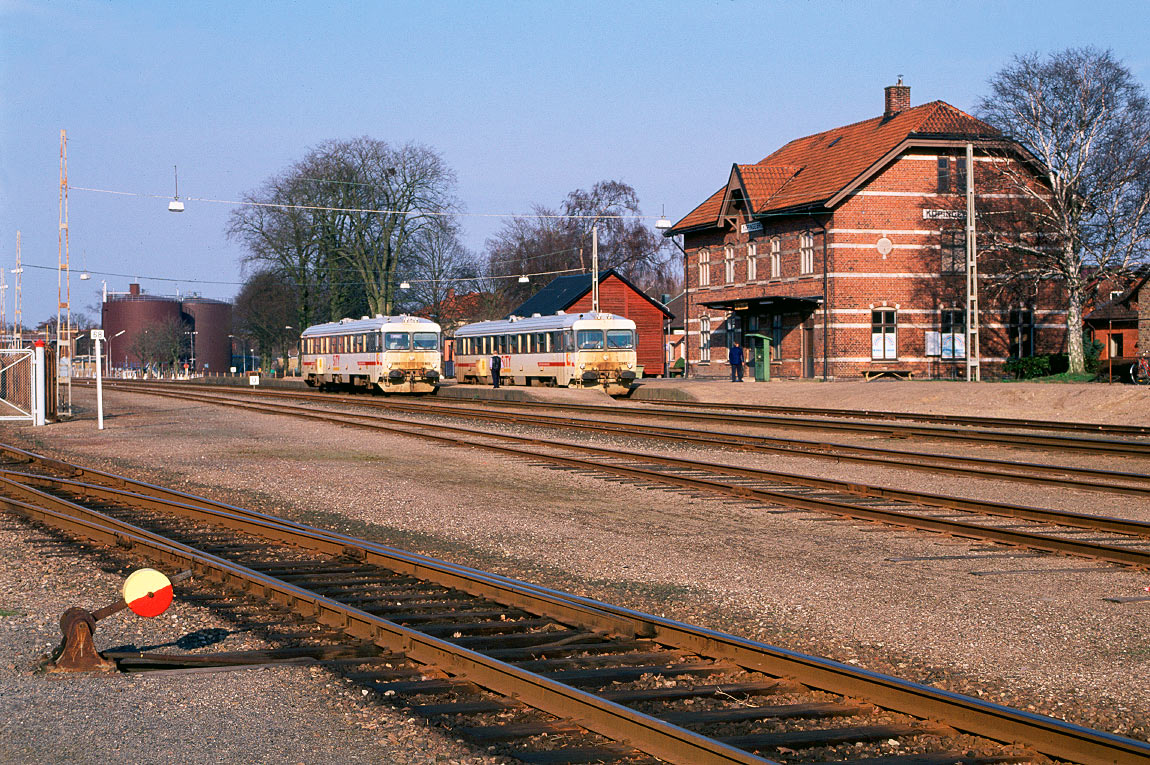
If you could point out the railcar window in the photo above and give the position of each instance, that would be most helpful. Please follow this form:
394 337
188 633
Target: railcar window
396 341
620 338
590 339
425 341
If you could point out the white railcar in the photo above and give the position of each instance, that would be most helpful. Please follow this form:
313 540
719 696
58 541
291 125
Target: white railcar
397 354
567 349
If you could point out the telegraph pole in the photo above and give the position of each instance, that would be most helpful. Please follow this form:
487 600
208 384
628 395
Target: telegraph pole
595 269
64 288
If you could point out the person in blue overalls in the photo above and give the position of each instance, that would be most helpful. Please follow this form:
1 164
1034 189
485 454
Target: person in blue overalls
496 368
735 356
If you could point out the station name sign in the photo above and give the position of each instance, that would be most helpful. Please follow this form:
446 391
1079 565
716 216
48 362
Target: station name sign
751 228
943 214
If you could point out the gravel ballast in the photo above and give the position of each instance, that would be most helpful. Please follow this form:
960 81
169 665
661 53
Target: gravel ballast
1024 631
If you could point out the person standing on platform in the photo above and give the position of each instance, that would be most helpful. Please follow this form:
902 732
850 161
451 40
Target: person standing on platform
496 368
735 356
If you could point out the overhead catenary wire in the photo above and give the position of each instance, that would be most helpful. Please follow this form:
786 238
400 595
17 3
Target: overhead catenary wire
451 280
368 210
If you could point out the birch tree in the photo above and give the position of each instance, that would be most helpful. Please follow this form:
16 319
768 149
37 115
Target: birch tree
1087 121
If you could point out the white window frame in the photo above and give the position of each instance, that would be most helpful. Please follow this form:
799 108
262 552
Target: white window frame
884 344
704 338
806 254
776 258
729 264
704 268
752 262
952 344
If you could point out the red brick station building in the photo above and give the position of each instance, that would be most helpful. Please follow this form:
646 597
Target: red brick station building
845 249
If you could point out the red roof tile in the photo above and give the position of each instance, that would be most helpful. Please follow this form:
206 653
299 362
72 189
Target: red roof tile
813 169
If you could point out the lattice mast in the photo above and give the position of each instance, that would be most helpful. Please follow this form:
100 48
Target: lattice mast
5 338
18 315
64 290
973 370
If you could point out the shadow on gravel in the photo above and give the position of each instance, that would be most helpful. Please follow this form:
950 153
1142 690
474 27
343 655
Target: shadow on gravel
188 642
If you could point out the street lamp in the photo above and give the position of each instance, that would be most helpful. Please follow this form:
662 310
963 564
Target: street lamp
664 224
109 342
193 334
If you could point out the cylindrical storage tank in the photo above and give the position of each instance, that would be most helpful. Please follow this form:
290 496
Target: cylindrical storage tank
132 315
211 321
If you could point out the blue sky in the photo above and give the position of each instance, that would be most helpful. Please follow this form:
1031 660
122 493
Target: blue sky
524 100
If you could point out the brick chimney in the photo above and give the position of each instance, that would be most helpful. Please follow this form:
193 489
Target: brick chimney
897 98
134 290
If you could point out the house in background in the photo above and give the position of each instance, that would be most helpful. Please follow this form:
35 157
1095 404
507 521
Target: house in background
847 249
1122 324
617 295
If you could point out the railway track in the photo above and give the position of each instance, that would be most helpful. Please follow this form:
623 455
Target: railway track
1112 429
1106 539
550 676
1133 483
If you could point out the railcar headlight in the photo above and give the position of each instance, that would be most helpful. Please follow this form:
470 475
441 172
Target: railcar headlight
629 365
582 366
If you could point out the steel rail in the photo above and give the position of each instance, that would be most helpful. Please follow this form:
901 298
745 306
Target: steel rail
1117 447
1052 737
1044 515
955 419
1096 479
1043 542
613 721
971 467
893 430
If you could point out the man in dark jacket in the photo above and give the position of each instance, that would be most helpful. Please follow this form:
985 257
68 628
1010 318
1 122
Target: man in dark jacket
496 367
735 356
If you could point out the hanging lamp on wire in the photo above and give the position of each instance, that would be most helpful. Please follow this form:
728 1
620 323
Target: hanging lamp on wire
176 205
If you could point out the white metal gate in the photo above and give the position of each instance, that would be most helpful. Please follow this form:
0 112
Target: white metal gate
16 391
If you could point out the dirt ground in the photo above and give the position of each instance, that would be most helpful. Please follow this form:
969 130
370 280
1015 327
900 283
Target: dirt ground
1031 631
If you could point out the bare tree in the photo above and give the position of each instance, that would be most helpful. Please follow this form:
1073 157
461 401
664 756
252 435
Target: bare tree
161 345
343 221
263 312
440 268
1087 122
561 240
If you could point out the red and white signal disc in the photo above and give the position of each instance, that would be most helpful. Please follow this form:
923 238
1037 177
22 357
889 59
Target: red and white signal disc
148 592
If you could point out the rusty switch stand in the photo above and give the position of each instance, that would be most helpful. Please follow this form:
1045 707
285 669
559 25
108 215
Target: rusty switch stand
77 651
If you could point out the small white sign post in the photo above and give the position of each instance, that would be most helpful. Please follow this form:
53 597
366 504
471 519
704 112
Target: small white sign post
98 337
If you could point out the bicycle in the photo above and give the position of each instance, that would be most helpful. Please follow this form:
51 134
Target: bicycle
1140 371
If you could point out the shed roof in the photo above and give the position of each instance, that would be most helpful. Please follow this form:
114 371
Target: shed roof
564 291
